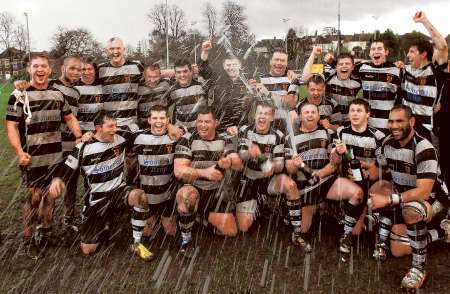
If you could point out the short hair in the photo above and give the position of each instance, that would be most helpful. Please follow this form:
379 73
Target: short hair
306 103
378 40
266 104
279 50
345 55
101 116
182 62
231 57
36 55
153 66
423 45
405 108
158 108
112 39
316 79
207 110
72 57
360 101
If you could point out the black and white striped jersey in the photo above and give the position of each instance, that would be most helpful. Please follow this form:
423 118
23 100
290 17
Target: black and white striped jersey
327 108
416 160
155 156
203 154
72 96
421 89
41 133
270 144
102 165
381 86
120 90
89 104
312 147
148 97
189 99
277 86
342 92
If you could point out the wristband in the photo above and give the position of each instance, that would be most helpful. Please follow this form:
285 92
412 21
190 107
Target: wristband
395 199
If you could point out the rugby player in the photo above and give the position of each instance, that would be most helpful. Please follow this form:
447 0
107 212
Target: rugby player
33 123
424 76
328 111
413 200
101 161
155 150
340 85
362 141
200 159
309 146
261 145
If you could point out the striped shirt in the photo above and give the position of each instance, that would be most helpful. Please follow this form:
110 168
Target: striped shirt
41 135
312 147
416 160
148 97
277 86
203 154
189 99
120 87
420 91
102 165
343 92
71 95
327 108
270 144
89 104
381 86
155 165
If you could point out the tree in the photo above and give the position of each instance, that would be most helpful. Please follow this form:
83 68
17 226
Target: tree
392 42
74 42
174 25
20 37
6 30
210 15
234 23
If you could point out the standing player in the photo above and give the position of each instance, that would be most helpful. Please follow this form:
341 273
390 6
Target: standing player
308 147
341 85
155 150
200 160
328 111
423 76
261 147
410 201
152 91
362 142
33 122
101 161
70 76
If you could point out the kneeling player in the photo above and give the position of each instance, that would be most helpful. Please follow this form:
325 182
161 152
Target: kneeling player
155 151
200 160
405 205
262 148
101 161
307 159
357 141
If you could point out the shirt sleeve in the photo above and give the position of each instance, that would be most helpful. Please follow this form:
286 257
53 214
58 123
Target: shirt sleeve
183 148
14 110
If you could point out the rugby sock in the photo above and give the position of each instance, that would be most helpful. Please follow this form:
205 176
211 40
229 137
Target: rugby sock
186 222
352 214
384 229
138 220
417 234
295 214
435 235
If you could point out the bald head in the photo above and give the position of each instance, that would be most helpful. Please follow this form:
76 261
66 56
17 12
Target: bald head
115 51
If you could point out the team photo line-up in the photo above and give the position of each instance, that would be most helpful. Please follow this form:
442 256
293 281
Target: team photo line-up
189 145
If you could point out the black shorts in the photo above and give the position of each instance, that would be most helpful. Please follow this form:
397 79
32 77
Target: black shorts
315 194
253 189
107 211
165 209
38 177
213 201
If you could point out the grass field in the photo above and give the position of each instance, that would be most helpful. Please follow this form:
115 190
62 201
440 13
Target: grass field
261 261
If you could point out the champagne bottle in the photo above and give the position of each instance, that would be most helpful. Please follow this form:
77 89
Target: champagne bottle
355 166
308 173
265 163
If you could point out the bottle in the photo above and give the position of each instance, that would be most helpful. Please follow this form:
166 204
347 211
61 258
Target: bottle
355 166
308 173
265 163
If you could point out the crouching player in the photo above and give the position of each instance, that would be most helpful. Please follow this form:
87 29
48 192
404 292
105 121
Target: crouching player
155 150
101 161
200 161
413 201
307 159
262 149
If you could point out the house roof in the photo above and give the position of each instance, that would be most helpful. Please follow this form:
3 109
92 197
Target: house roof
12 52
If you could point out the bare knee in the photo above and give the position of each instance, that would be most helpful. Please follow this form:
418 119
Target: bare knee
414 212
244 222
137 198
291 190
88 249
187 200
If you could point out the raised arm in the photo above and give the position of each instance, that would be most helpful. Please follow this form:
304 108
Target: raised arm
307 69
440 45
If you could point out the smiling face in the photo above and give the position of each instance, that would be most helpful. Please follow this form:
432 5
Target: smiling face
263 118
39 70
206 125
87 73
378 53
278 64
71 70
415 58
115 52
183 75
232 67
158 121
358 115
315 92
399 124
107 129
152 77
309 116
344 68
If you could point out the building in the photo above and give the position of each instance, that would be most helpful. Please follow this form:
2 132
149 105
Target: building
11 63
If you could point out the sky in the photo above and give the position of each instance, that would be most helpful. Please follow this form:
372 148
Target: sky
128 20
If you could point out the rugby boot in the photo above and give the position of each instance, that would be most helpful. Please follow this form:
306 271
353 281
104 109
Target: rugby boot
380 252
413 280
140 250
345 247
302 240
